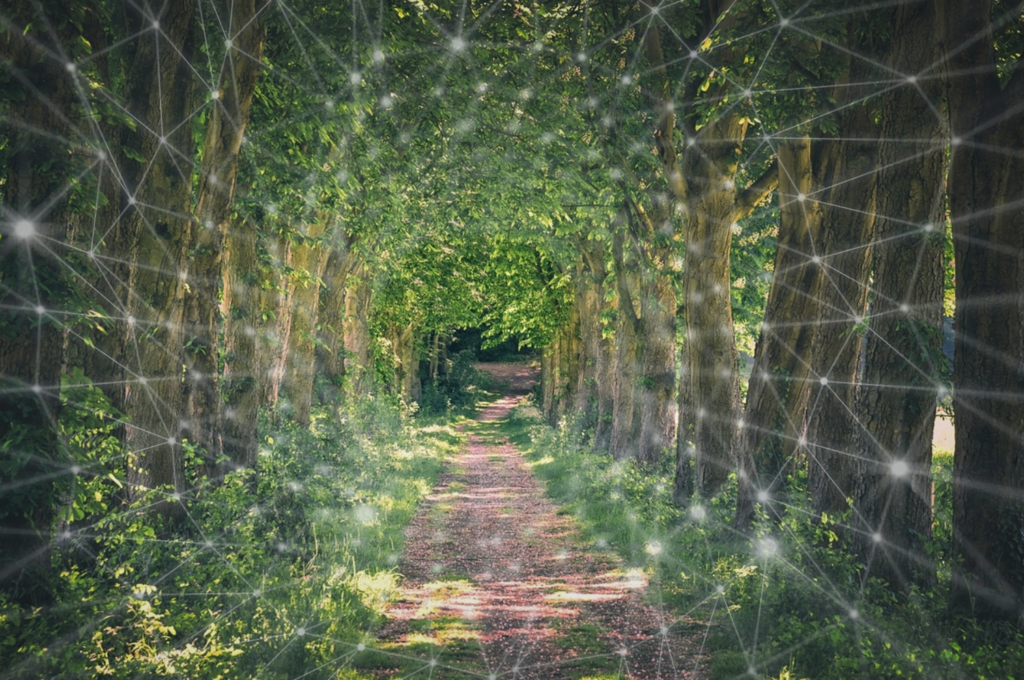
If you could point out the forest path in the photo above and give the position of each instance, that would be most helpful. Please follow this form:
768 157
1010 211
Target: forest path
499 585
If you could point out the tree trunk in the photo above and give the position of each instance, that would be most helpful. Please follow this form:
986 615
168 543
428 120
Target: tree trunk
626 414
589 299
896 403
308 258
777 395
845 247
358 354
33 230
986 192
331 348
656 251
160 96
228 118
276 309
241 385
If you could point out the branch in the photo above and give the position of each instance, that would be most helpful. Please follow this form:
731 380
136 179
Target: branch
757 191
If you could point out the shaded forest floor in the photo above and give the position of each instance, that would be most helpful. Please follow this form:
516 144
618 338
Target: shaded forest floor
498 583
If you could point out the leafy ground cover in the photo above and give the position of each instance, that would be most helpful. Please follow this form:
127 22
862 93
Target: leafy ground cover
789 604
273 575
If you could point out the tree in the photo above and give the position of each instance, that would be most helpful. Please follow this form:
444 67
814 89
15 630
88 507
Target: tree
986 188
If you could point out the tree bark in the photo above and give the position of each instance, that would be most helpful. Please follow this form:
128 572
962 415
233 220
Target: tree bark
986 191
845 247
218 170
903 357
331 348
308 260
779 381
626 413
358 353
160 96
240 386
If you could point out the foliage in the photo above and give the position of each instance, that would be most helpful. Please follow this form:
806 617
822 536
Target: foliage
797 606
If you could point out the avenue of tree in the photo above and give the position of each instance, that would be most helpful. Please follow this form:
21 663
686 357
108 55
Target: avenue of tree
212 207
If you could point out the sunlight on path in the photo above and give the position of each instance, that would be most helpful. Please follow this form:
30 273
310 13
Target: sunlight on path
499 586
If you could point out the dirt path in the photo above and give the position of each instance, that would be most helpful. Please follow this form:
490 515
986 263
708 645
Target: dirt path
498 584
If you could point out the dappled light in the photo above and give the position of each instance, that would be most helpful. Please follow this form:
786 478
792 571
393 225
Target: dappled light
568 339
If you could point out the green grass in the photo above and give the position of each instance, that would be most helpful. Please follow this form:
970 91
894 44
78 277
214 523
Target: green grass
797 605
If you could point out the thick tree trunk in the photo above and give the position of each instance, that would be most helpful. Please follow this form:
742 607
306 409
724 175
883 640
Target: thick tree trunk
219 167
308 259
777 395
896 403
626 414
276 308
589 300
407 361
845 247
331 326
240 386
33 230
358 354
986 192
160 95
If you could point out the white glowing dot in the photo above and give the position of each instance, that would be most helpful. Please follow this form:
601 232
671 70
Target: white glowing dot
492 676
801 197
764 327
355 77
208 543
904 308
956 141
70 66
623 652
719 589
378 56
748 92
481 87
228 44
693 54
360 647
271 209
75 469
911 79
653 548
300 632
823 381
37 388
581 57
176 496
171 441
131 200
538 46
664 630
131 320
162 140
766 547
458 44
257 593
740 424
627 79
784 22
929 227
854 614
762 496
816 259
899 468
941 391
40 310
24 229
802 441
858 319
876 537
697 513
729 184
385 101
702 412
752 672
102 155
433 662
156 25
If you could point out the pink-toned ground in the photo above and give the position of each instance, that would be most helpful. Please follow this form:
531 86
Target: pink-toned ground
488 559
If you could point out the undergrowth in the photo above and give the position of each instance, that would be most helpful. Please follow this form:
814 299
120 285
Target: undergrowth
272 574
789 603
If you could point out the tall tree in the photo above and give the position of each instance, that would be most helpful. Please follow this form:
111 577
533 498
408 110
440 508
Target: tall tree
986 191
903 358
